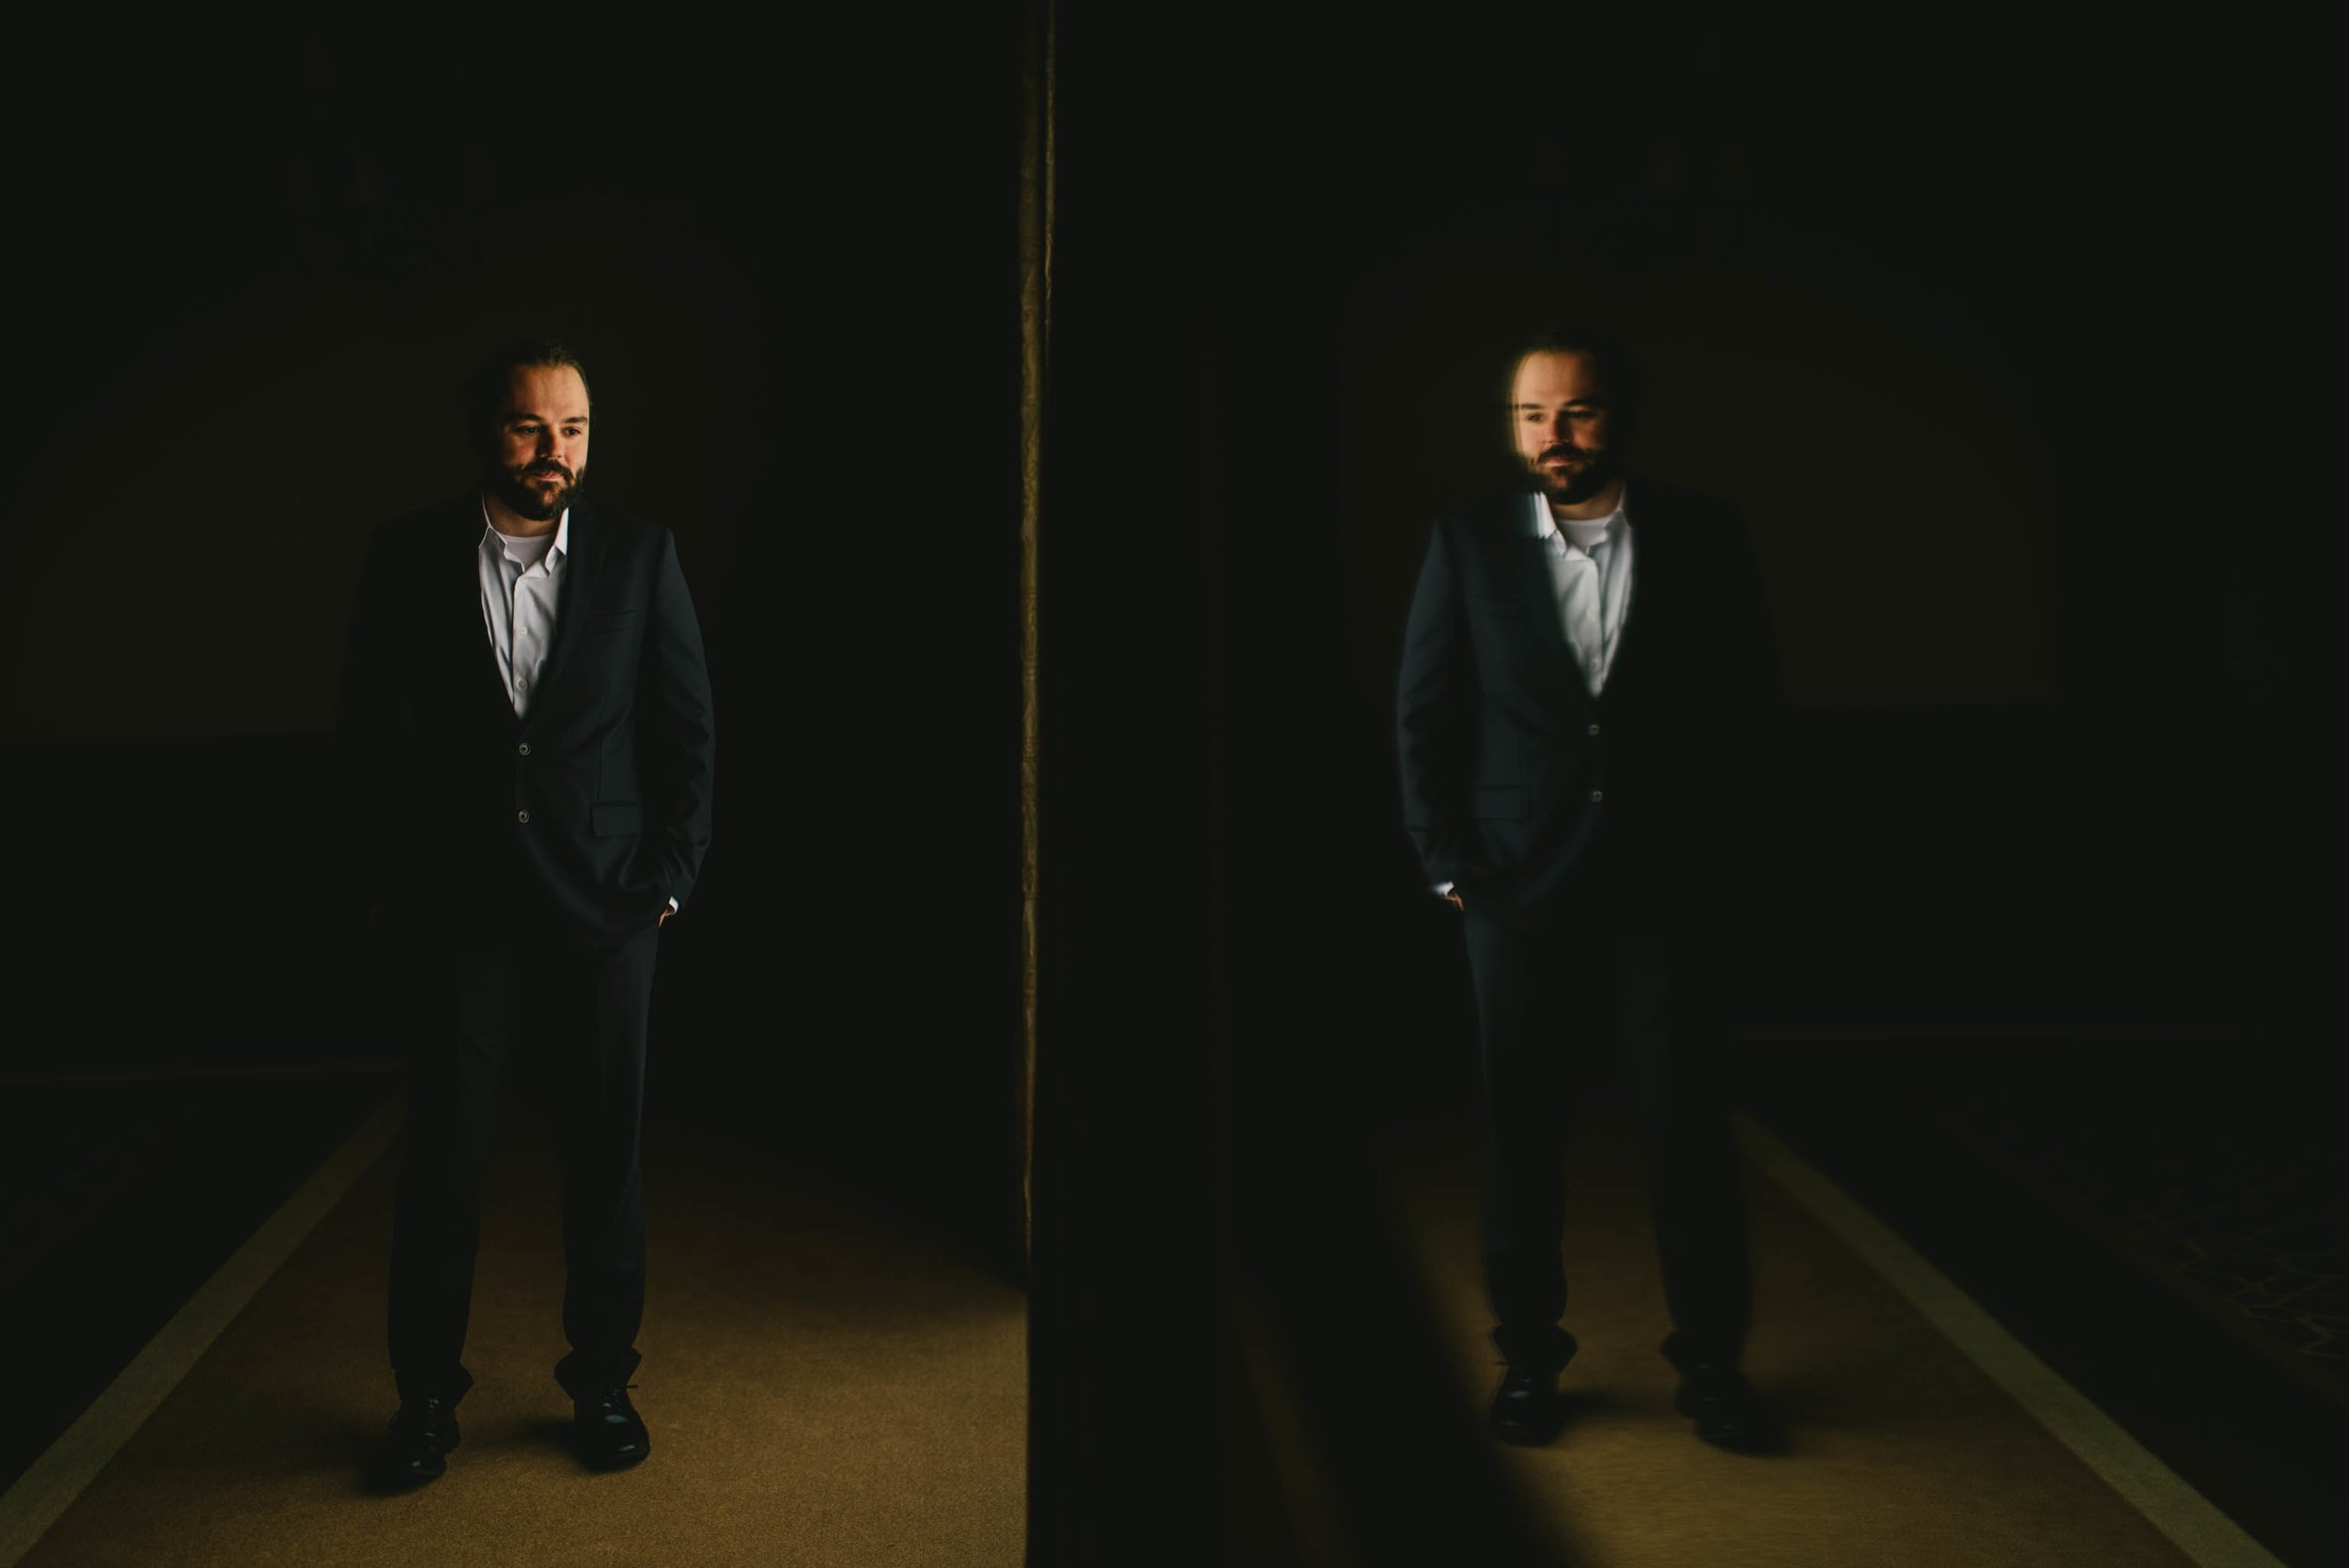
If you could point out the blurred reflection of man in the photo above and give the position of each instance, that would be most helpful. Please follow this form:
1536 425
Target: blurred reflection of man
1585 670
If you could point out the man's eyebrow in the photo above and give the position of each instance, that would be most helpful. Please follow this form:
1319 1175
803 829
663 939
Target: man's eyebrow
541 419
1569 403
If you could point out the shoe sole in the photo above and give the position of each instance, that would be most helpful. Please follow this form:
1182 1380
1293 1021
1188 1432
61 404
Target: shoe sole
387 1482
605 1467
602 1462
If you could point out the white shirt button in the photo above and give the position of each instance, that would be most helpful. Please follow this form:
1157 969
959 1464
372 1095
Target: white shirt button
525 748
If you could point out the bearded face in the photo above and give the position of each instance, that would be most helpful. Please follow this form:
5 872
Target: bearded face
1569 474
1560 421
535 490
537 460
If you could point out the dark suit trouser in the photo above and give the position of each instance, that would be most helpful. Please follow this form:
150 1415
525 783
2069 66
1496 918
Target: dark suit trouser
501 998
1600 973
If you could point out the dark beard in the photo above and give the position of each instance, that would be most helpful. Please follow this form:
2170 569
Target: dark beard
522 500
1598 470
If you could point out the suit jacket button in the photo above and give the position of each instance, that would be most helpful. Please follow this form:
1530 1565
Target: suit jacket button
524 747
1597 796
1593 730
522 816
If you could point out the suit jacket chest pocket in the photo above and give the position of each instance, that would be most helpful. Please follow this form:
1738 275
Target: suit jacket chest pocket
600 670
1505 635
608 640
1498 615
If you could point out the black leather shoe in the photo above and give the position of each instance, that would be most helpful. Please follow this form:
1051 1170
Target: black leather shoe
607 1431
1728 1413
416 1449
1528 1410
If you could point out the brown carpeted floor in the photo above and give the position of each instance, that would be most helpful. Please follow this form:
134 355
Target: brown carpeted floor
824 1386
1902 1452
827 1386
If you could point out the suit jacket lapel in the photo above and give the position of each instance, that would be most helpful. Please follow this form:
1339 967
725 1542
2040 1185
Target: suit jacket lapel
455 587
1538 593
583 557
1537 590
1656 583
1636 596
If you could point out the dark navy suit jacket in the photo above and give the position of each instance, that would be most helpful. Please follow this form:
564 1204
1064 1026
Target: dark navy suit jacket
604 789
1511 766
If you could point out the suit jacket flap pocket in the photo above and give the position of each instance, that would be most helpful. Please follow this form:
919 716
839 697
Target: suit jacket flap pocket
610 820
1502 801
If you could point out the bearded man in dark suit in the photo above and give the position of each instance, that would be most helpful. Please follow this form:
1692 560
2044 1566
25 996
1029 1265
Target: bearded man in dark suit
1586 681
529 749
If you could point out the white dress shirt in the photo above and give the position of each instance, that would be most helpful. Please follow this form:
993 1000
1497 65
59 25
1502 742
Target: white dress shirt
522 591
1590 570
521 588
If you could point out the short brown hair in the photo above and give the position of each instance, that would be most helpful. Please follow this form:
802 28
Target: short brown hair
485 387
1618 372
